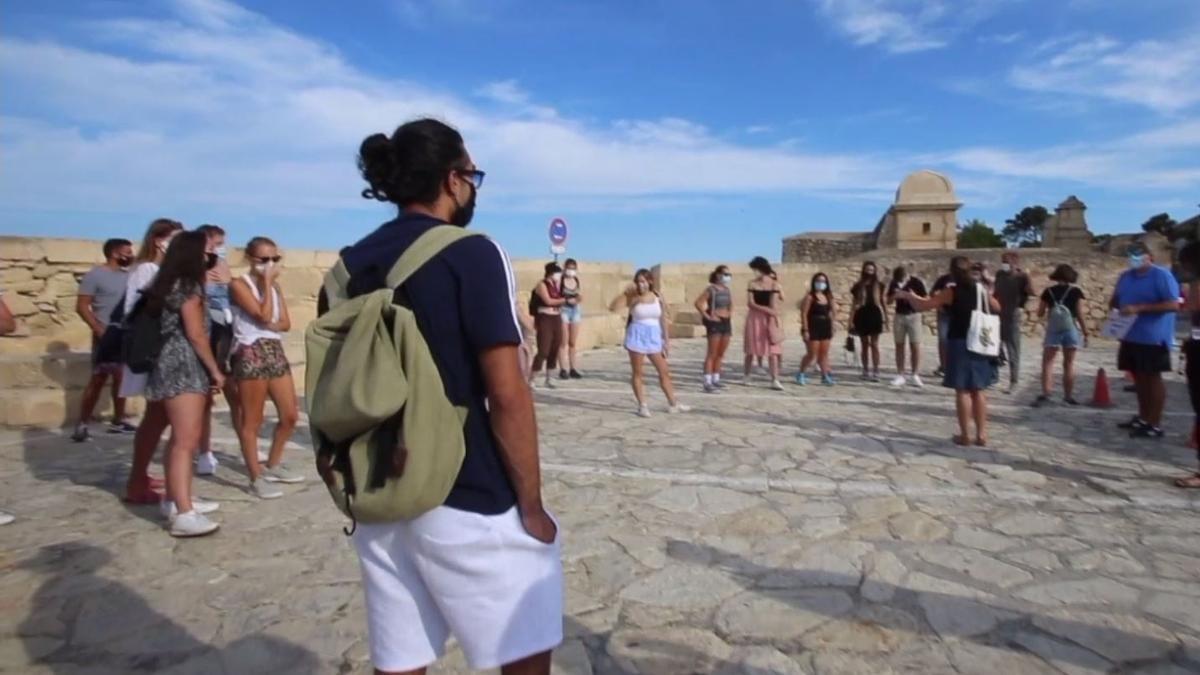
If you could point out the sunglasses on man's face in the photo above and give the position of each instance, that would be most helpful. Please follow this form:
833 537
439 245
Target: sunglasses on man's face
474 176
265 259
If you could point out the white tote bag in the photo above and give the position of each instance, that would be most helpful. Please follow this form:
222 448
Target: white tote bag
983 337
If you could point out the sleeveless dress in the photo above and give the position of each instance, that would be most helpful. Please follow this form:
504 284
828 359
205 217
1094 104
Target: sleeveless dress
178 370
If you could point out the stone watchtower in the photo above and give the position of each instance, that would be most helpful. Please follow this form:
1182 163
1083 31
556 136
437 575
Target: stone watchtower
1067 227
924 215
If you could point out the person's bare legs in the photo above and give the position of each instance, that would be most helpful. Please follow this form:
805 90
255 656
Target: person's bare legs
979 407
283 394
1048 356
875 353
748 364
145 442
185 413
1156 398
1141 383
773 362
635 377
91 396
538 664
418 671
864 344
572 338
962 407
117 401
823 358
252 396
664 376
231 399
810 355
722 346
710 356
1069 372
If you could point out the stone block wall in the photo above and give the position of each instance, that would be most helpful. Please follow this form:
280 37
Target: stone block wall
815 248
45 364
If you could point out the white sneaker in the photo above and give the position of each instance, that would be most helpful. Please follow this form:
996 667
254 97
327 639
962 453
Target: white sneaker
917 381
899 381
202 506
643 411
6 518
776 385
745 380
280 474
549 384
679 408
206 464
192 524
264 490
263 457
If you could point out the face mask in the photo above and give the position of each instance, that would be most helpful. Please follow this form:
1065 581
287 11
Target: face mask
726 279
870 273
1005 267
210 260
1136 261
556 277
821 286
221 251
124 261
262 268
570 273
463 214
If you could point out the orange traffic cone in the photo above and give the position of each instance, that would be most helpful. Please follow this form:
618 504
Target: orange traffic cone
1100 396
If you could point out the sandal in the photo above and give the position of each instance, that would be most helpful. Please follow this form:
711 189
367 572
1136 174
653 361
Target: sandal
960 440
1191 482
981 442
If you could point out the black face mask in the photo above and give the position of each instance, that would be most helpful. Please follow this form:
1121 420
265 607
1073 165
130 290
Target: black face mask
210 260
124 262
463 214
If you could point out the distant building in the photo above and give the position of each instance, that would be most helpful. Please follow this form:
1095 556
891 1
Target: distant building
924 216
1067 228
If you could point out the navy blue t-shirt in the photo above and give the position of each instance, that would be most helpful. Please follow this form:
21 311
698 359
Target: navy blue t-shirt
464 300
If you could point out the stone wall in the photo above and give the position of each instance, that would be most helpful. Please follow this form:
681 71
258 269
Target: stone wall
825 248
45 364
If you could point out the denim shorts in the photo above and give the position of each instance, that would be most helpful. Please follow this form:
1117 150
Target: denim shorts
1066 339
572 314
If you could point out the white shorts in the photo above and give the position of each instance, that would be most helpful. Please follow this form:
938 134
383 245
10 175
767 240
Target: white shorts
481 578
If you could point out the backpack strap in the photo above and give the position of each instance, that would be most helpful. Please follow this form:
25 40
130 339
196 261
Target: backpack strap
428 245
337 279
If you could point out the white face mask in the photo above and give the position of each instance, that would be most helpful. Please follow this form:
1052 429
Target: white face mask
263 268
1005 267
221 251
726 279
570 273
556 277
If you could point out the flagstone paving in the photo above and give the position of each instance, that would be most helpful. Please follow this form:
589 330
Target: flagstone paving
816 530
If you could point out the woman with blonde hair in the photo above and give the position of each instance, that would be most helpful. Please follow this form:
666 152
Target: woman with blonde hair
715 305
763 334
260 318
646 337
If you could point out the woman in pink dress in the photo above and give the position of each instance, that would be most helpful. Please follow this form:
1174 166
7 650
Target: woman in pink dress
764 335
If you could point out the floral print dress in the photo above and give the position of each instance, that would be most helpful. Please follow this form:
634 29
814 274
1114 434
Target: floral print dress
179 370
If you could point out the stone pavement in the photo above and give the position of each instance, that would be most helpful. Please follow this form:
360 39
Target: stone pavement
810 531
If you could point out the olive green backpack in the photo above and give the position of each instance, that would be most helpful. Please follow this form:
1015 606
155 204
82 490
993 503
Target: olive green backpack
389 443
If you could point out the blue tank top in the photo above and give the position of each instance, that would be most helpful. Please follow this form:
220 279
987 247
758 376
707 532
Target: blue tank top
218 302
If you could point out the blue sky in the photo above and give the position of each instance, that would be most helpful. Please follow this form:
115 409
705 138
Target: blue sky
661 130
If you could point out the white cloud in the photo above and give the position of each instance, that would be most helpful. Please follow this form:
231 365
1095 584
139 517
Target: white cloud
1002 38
1162 75
904 26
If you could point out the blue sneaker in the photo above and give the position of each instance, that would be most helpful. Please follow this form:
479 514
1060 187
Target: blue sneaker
828 380
801 379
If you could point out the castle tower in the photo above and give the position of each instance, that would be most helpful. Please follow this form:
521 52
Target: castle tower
924 215
1067 227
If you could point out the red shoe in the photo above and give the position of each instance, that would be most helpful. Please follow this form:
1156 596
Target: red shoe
142 495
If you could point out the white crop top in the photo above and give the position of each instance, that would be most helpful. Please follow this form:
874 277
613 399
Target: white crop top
646 312
247 329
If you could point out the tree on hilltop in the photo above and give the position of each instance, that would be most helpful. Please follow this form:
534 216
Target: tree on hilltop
977 234
1162 224
1027 228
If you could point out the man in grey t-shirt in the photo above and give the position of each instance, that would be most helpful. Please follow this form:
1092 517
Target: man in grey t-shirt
1013 290
101 292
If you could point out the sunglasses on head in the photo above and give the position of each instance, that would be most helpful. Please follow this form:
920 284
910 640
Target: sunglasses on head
262 258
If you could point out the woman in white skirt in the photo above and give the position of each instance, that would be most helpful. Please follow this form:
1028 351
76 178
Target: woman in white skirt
646 336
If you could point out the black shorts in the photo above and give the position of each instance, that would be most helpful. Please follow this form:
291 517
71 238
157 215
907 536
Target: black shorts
868 321
820 329
718 327
1138 358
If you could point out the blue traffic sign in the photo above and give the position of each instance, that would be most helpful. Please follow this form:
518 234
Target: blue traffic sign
558 231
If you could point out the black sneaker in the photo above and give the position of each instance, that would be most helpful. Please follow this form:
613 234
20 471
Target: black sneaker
121 428
1070 400
81 433
575 375
562 375
940 372
1135 423
1146 432
1129 388
1041 401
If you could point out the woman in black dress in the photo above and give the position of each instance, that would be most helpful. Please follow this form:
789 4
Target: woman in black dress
816 326
967 373
869 317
